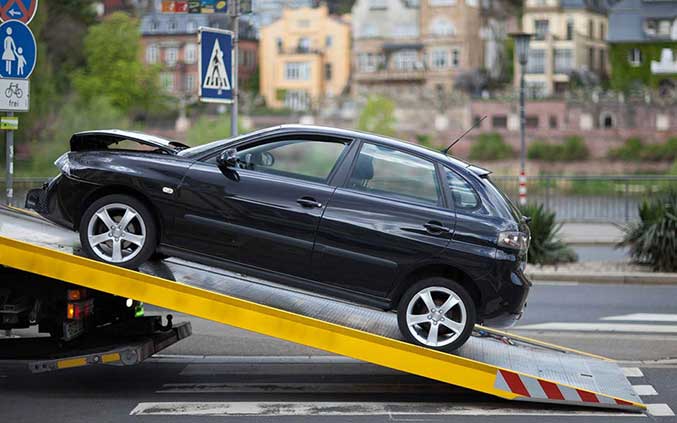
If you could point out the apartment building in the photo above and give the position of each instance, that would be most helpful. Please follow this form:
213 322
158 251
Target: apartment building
568 35
304 57
170 40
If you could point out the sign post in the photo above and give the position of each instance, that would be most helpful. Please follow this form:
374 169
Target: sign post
235 13
17 55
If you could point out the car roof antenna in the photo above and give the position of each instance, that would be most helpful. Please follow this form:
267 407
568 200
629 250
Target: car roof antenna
475 125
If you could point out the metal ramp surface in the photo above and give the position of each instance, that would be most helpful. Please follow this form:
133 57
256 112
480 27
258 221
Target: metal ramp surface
499 364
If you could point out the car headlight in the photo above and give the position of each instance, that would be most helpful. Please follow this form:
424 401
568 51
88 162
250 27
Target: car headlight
63 164
514 240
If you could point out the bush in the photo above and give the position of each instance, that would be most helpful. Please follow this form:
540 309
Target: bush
572 149
378 116
545 247
635 150
539 150
629 151
653 240
424 140
490 147
209 128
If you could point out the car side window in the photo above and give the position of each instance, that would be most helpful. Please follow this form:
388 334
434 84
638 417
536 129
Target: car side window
297 158
393 173
464 196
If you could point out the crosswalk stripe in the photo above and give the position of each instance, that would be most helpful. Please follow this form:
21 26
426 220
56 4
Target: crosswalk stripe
632 372
659 410
644 317
600 327
350 409
644 390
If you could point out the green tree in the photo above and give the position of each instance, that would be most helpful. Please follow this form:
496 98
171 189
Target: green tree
113 68
378 116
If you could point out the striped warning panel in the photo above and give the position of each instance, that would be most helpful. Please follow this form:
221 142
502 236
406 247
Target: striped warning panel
540 389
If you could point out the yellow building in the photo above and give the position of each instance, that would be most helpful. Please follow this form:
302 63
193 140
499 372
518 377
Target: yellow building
568 35
304 57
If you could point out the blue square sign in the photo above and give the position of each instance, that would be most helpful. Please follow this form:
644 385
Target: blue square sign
216 65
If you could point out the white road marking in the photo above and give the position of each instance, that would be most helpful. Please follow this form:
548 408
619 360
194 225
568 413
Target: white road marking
644 390
600 327
644 317
325 388
632 372
659 410
556 283
349 409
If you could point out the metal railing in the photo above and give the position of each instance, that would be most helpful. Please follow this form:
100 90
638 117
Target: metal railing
589 198
572 198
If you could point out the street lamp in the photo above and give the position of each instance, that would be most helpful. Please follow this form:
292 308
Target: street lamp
522 51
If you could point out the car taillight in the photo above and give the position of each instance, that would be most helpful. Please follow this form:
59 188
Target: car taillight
514 240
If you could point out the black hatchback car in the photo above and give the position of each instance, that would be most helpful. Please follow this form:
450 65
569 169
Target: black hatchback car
348 214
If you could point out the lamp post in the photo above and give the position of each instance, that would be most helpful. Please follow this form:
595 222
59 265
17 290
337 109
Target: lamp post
522 51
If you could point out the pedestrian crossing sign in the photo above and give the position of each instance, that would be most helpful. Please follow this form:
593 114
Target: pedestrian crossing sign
216 65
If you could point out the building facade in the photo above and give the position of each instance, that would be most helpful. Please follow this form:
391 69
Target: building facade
643 45
170 40
568 35
304 58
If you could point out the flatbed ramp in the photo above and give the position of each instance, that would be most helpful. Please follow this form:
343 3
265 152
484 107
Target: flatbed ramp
491 362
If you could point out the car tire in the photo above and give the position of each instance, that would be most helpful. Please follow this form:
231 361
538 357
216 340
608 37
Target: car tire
422 320
104 238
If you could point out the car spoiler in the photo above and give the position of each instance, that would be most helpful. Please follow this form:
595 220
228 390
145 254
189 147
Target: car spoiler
102 139
479 171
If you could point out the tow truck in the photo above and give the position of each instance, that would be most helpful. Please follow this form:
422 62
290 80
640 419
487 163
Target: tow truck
92 313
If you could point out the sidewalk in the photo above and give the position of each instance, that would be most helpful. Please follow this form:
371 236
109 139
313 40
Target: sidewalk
591 233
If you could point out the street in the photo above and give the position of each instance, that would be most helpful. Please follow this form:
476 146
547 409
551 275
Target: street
222 371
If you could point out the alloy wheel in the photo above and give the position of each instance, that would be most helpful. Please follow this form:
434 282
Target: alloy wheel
436 316
116 233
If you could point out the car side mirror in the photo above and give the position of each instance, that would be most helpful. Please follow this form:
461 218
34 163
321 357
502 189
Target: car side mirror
227 159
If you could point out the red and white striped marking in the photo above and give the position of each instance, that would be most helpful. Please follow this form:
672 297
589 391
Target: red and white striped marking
540 389
523 188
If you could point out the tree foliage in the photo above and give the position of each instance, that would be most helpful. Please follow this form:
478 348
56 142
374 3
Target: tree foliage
113 68
378 116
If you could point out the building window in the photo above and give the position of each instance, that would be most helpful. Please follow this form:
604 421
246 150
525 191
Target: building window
190 53
189 83
536 61
570 29
499 121
591 29
191 26
439 58
564 60
405 60
167 81
607 120
297 100
173 25
535 89
552 122
442 2
278 43
664 28
635 57
370 30
154 26
378 4
455 58
171 55
531 122
369 62
327 71
442 27
328 41
297 71
405 30
542 27
304 45
602 31
152 54
591 58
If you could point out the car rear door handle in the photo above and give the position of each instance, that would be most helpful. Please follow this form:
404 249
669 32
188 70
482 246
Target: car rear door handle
309 202
435 228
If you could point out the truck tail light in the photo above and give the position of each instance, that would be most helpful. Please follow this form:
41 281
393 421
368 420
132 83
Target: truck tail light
79 310
76 294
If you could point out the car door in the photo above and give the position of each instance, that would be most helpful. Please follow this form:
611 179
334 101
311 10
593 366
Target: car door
388 217
265 212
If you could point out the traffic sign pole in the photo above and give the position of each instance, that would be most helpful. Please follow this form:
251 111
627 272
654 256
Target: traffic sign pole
9 158
236 58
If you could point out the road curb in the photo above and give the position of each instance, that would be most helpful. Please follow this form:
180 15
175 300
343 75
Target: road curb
635 278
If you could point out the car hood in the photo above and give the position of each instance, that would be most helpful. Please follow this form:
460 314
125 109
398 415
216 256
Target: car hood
102 139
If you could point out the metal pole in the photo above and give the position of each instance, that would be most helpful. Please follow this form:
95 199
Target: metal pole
523 177
9 158
236 54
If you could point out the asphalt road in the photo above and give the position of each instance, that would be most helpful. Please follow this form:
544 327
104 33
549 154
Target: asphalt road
223 373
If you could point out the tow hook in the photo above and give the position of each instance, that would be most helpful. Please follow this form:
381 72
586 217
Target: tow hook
168 326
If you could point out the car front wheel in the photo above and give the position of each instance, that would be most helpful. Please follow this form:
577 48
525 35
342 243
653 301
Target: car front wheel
436 313
118 229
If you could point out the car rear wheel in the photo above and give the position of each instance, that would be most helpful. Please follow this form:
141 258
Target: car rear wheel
118 229
436 313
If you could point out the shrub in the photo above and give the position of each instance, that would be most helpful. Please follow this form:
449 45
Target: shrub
490 147
572 149
635 150
653 240
424 140
539 150
545 247
629 151
378 116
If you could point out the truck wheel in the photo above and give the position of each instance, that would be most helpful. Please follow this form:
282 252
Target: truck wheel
436 313
118 229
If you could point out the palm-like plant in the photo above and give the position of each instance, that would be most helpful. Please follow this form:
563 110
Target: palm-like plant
653 240
545 246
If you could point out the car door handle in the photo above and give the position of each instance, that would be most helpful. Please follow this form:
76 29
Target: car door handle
436 228
309 202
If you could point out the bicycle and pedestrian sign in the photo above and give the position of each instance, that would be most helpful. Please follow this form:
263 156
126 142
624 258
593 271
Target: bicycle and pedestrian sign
20 10
18 50
14 95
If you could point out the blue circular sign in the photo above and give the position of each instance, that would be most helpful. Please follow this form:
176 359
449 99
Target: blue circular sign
18 50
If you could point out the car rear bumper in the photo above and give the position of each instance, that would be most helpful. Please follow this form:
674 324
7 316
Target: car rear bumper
45 202
514 295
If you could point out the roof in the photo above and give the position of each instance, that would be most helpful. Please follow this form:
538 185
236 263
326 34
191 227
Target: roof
626 18
188 23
